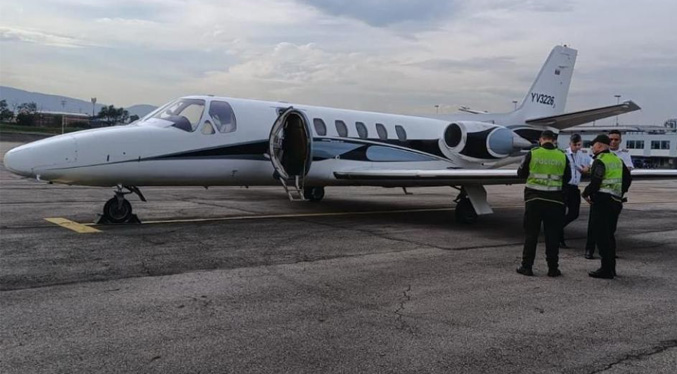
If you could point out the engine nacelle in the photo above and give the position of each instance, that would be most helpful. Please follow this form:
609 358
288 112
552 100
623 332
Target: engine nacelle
481 140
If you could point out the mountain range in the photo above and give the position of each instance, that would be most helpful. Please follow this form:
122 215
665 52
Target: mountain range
56 103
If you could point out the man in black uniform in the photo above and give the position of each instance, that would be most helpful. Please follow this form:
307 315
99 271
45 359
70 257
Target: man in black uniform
614 147
609 180
546 169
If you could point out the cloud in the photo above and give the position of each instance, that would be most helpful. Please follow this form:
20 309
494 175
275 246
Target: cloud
526 5
381 13
480 63
9 34
428 14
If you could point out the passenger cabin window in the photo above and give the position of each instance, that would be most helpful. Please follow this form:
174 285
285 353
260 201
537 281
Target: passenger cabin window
361 130
382 132
185 114
342 129
320 127
401 133
223 116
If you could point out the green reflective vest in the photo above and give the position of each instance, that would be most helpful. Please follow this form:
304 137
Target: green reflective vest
613 174
546 169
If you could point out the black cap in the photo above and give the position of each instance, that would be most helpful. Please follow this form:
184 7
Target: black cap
601 139
548 134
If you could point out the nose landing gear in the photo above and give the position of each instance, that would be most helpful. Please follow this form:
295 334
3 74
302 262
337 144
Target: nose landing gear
118 209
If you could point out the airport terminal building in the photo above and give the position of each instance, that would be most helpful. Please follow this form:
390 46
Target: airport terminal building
649 146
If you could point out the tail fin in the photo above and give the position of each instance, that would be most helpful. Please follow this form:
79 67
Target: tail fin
548 95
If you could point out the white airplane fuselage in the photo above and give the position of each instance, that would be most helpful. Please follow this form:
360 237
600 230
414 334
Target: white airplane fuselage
152 153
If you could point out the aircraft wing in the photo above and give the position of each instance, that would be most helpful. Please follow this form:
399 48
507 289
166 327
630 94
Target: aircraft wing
567 120
459 177
445 177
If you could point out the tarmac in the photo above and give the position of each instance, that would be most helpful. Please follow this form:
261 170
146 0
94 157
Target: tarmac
238 280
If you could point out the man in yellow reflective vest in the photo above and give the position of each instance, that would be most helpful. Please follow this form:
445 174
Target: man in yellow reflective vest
609 180
546 170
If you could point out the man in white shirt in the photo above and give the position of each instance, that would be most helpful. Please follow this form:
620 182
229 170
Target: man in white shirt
615 147
572 195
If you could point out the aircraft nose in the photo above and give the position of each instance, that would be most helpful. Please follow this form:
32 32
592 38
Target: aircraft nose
30 159
18 161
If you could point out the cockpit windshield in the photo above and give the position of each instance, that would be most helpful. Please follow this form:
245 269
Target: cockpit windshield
184 114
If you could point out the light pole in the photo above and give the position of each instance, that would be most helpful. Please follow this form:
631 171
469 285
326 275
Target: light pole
93 102
618 101
437 108
63 117
514 102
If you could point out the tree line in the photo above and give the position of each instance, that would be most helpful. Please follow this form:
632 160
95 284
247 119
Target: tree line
26 114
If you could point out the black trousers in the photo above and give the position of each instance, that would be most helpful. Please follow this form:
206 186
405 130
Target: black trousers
572 203
604 213
551 215
591 241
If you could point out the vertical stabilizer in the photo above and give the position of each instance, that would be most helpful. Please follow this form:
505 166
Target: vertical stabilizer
548 94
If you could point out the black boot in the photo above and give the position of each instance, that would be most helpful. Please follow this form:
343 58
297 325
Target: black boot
613 267
554 272
563 244
525 270
602 273
589 254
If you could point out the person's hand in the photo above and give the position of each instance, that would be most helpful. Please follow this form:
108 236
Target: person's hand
587 198
585 169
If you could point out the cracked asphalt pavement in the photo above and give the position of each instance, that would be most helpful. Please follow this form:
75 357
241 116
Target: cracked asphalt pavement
407 291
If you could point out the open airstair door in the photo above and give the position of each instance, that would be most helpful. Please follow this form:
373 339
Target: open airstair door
290 150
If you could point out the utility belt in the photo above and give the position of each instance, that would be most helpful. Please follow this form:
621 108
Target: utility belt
610 196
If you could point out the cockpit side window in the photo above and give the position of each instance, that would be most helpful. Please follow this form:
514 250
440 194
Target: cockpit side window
223 116
207 128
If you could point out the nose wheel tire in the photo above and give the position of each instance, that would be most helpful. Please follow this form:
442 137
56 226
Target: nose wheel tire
465 213
313 193
117 210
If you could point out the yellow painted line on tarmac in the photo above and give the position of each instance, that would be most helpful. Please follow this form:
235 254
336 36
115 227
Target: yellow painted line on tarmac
71 225
299 215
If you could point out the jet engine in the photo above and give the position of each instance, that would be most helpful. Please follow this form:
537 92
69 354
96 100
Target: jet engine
481 140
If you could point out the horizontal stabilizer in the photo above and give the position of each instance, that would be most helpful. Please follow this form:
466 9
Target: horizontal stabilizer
567 120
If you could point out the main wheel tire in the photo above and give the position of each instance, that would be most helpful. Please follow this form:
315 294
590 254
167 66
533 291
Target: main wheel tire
313 193
465 213
117 212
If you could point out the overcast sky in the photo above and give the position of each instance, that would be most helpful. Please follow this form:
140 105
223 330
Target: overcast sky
383 55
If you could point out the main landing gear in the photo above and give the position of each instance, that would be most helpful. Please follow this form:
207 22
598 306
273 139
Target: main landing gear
118 209
313 193
465 212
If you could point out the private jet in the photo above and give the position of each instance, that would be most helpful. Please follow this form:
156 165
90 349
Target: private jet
219 141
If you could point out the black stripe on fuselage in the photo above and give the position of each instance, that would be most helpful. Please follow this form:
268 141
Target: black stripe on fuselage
255 150
244 150
258 149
